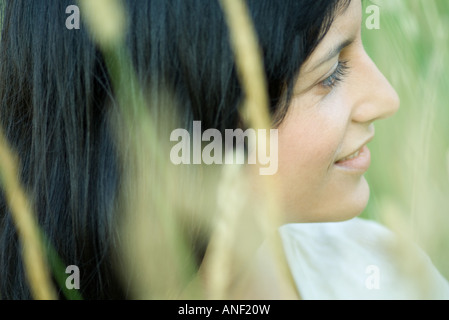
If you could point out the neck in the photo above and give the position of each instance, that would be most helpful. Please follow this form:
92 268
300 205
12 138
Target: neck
260 275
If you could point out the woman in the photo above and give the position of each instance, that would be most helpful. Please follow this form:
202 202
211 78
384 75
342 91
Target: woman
57 98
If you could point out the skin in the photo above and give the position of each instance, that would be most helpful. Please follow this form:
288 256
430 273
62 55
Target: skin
325 124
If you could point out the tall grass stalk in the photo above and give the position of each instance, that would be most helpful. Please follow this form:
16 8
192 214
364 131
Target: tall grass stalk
33 252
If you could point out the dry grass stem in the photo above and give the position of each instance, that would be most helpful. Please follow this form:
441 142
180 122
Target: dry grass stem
33 252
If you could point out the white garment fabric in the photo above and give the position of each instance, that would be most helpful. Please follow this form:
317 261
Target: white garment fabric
358 259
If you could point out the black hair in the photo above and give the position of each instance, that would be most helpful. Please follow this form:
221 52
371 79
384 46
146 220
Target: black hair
54 89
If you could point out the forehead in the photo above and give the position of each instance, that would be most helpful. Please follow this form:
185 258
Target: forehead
346 26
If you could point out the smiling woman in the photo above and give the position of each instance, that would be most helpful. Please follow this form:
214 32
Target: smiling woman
91 119
339 94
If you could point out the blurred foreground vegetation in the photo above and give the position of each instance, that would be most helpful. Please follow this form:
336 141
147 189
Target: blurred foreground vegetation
409 176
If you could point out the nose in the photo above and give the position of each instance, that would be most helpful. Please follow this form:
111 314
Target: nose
375 97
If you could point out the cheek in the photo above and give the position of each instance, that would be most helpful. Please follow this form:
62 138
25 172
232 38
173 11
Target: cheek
310 139
308 143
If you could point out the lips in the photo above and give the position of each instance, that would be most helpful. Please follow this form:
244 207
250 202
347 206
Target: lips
357 162
352 156
357 151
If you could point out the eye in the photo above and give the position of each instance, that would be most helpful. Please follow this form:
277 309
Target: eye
337 76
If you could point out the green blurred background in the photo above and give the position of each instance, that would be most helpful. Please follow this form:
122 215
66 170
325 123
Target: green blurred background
409 176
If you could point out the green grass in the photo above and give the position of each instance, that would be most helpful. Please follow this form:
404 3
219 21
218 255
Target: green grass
409 176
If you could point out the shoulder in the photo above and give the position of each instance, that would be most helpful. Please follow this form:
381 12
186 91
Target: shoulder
358 259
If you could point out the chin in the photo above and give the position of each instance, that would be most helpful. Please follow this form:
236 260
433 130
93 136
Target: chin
354 203
342 206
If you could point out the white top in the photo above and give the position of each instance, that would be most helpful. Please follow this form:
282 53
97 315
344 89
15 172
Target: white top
358 259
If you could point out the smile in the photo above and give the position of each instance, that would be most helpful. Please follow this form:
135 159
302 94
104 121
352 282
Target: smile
358 162
352 156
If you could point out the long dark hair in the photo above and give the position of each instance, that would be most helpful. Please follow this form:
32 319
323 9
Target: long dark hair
54 86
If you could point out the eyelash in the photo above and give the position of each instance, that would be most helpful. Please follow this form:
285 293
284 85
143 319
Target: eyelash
337 76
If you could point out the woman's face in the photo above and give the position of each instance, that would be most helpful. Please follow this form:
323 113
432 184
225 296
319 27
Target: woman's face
339 95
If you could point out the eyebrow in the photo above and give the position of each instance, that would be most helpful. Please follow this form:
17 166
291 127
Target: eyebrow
332 53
